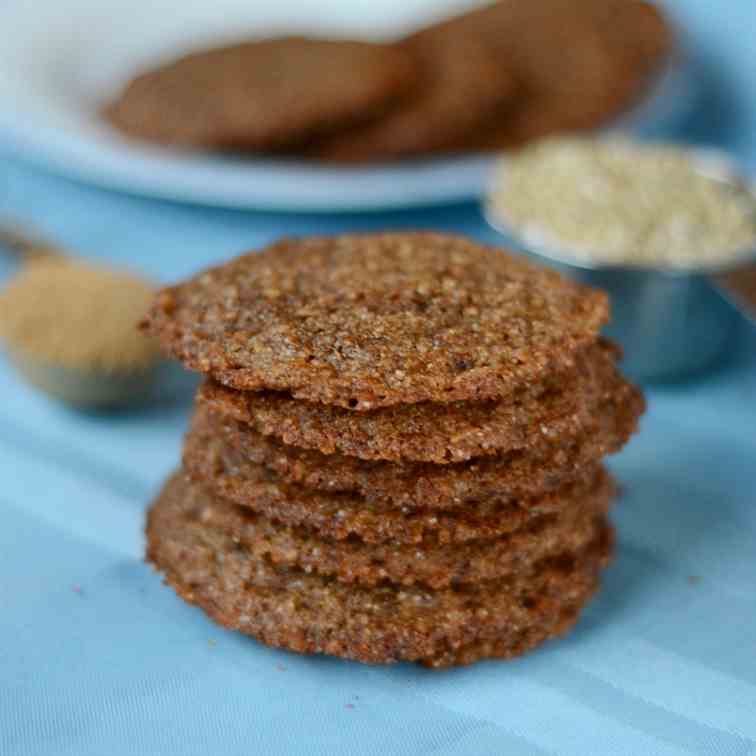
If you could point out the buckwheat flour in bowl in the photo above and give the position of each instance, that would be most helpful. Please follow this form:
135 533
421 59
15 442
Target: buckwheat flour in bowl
619 202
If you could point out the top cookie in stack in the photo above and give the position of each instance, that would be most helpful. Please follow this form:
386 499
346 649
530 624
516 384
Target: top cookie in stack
370 321
396 454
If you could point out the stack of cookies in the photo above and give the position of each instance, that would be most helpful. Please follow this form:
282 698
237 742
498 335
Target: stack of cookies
396 453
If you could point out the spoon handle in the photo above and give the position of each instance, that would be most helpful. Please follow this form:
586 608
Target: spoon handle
24 244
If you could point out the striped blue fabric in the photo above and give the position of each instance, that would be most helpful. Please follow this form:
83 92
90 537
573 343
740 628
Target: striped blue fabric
97 657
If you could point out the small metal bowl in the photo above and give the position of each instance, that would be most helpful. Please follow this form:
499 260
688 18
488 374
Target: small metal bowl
671 323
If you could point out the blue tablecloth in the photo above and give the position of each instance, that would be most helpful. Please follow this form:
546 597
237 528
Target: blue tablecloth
97 657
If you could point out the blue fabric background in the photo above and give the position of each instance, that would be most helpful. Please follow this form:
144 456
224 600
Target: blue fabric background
98 658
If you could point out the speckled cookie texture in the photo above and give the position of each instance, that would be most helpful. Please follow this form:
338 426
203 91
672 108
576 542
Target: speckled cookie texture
562 407
363 321
428 562
342 515
310 613
542 466
452 513
263 94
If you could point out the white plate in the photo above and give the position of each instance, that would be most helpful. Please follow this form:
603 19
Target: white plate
60 60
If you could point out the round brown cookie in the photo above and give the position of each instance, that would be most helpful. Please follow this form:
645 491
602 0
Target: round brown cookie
228 475
371 320
461 85
264 94
577 65
540 468
315 614
563 406
354 561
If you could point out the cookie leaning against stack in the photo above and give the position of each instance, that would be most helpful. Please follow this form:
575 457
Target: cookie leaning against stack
396 454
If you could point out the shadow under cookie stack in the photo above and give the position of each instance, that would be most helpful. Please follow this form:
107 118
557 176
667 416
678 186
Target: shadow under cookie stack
396 453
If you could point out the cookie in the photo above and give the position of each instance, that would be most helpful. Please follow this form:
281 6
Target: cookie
577 65
540 468
262 95
228 475
552 413
366 321
429 564
309 613
461 87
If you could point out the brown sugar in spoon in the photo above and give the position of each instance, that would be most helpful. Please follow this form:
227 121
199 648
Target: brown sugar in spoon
69 327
